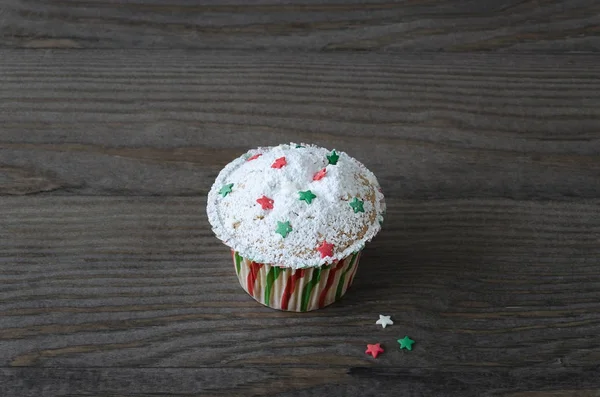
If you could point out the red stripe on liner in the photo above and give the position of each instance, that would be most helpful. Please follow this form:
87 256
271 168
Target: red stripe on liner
290 286
252 276
329 282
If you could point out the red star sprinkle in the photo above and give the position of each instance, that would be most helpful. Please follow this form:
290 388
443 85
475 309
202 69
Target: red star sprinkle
319 175
265 202
254 157
279 163
325 249
374 350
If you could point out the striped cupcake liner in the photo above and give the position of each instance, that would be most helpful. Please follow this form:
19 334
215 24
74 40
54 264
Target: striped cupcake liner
296 290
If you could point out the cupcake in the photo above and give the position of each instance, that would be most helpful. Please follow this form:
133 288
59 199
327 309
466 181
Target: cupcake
296 218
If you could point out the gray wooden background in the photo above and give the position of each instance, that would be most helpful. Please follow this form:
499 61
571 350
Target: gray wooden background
480 118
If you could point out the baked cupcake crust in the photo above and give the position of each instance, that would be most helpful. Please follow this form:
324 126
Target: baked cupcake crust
295 206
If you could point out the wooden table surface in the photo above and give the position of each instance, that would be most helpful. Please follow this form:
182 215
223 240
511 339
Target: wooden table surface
480 118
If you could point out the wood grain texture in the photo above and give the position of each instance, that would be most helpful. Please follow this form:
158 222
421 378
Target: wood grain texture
305 25
429 126
105 295
287 381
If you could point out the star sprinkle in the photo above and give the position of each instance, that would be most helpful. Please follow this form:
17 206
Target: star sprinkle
279 163
307 196
299 147
320 175
325 249
254 157
265 202
406 343
283 228
384 321
357 205
333 158
225 190
374 350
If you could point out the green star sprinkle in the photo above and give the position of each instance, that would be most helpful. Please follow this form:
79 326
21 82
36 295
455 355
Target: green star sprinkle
357 205
406 343
299 146
333 157
283 228
226 189
307 196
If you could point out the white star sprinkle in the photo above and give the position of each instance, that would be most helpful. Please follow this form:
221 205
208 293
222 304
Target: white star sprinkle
384 321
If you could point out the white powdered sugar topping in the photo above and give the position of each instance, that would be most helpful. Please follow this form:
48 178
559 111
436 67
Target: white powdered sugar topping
315 206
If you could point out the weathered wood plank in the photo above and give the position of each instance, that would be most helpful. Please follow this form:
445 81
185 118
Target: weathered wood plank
285 381
141 282
430 126
306 25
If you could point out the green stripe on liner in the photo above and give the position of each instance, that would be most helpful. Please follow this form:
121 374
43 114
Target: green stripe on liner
271 277
238 261
338 291
316 277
